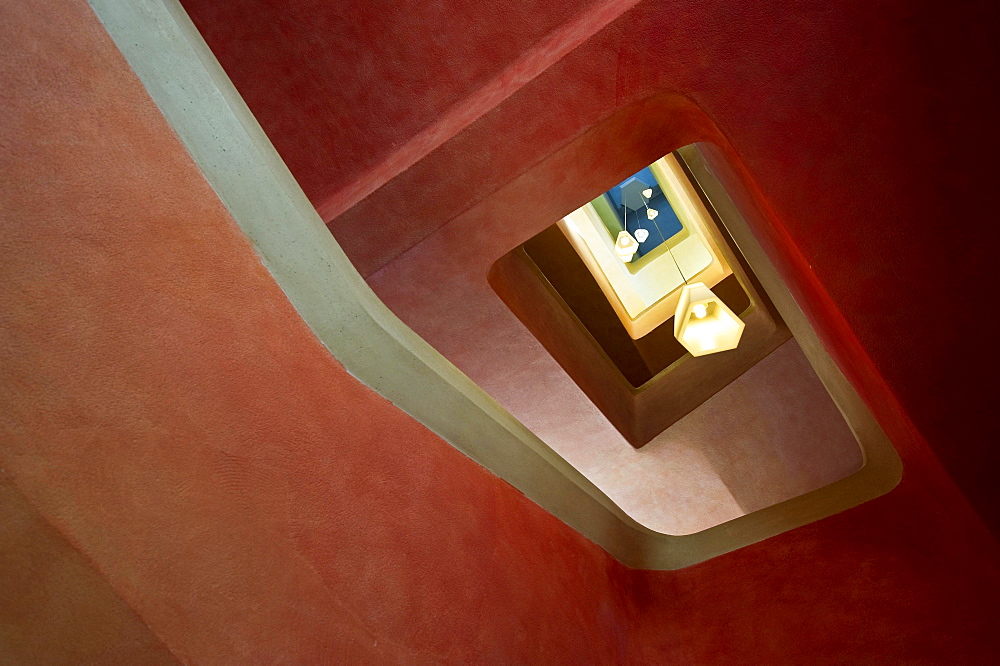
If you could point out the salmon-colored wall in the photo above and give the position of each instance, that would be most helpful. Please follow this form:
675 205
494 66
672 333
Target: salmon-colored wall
54 607
167 413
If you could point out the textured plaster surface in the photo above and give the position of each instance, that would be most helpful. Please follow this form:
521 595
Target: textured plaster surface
167 412
166 409
776 436
55 608
863 124
364 57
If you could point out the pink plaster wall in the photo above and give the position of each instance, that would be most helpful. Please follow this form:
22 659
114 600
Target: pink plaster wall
775 434
676 484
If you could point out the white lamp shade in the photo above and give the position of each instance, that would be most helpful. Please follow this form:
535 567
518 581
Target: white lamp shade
703 324
626 246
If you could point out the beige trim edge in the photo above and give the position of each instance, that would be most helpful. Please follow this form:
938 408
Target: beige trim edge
198 100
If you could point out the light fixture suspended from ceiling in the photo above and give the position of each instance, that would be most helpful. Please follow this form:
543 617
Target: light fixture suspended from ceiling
623 244
703 324
626 246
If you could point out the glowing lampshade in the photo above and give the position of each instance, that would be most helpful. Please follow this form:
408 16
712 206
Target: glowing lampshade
703 323
626 246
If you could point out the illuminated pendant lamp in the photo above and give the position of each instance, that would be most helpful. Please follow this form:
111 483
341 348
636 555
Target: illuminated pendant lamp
626 246
703 324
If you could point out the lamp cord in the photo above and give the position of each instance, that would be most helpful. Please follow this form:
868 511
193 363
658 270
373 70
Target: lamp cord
669 251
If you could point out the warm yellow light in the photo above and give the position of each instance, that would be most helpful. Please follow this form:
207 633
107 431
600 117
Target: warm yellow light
648 193
703 323
644 291
651 213
626 246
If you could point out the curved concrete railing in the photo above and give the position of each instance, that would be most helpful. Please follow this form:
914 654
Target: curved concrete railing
198 100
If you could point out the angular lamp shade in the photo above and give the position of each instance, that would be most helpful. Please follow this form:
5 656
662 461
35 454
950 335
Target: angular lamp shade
703 323
626 246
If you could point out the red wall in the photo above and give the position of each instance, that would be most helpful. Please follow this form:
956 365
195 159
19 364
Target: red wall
55 608
168 414
166 410
868 128
367 78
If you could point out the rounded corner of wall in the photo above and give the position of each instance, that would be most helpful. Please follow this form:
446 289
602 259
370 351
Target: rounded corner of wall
351 321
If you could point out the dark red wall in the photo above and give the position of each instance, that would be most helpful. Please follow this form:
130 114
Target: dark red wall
366 77
869 128
166 411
